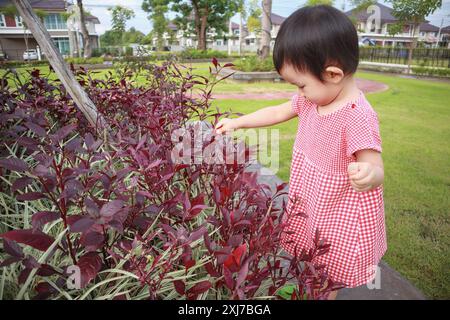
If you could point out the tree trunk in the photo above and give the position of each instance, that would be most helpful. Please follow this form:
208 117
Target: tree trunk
84 31
266 26
412 47
203 27
241 36
197 22
40 33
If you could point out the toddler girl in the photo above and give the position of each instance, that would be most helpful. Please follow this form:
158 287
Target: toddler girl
337 173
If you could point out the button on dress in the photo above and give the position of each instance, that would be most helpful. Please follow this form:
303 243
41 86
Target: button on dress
321 197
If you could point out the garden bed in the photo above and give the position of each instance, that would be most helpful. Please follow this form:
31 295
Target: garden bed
249 77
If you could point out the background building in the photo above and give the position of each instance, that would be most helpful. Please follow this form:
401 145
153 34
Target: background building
14 37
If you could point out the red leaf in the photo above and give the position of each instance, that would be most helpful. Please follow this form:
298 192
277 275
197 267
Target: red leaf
12 248
14 164
180 287
229 281
30 196
81 225
21 183
235 257
189 264
89 264
111 208
9 261
36 129
92 239
242 273
200 287
42 217
214 62
35 239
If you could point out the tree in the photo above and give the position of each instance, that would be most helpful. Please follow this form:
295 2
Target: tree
87 50
311 3
120 16
157 10
414 12
254 17
200 15
266 25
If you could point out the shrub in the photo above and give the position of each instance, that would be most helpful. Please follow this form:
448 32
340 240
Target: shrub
427 71
201 54
115 205
94 60
253 63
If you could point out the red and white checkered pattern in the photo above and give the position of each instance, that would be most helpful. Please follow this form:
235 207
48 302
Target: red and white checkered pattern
352 222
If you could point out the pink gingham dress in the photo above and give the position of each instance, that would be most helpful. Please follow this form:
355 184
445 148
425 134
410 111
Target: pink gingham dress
352 222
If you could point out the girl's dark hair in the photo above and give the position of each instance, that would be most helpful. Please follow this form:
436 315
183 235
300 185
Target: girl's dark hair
312 38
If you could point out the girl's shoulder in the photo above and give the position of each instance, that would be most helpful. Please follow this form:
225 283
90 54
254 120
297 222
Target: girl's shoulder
361 110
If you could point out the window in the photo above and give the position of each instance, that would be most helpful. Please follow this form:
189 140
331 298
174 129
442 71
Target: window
54 21
236 32
2 21
19 21
219 42
62 44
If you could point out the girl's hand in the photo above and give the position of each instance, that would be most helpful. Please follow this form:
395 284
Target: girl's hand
363 175
226 125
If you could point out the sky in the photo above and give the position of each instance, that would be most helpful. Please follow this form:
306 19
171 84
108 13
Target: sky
281 7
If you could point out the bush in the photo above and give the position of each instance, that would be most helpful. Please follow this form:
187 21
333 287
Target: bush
94 60
200 54
433 72
114 206
253 63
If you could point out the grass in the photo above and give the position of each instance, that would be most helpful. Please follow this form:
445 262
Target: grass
414 117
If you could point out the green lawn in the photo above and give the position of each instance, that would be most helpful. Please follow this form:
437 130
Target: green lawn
414 123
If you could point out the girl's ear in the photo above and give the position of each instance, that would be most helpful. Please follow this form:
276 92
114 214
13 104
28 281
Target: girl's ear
333 74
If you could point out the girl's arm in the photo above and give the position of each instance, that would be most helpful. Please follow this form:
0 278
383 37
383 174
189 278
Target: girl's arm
368 172
262 118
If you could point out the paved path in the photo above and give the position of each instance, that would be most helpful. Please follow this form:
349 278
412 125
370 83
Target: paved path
367 86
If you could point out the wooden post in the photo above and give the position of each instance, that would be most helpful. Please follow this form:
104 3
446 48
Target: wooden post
63 72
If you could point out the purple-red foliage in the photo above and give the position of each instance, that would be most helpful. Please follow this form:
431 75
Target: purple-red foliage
109 188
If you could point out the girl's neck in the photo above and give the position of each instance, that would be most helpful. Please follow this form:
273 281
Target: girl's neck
349 92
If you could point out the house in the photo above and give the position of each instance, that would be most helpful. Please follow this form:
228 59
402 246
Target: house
66 34
379 33
179 40
428 33
253 39
444 37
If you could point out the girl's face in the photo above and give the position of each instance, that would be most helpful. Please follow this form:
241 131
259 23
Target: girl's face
318 92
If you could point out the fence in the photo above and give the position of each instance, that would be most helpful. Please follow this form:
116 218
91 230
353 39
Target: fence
439 58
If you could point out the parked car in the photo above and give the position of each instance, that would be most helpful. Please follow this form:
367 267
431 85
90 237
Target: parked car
30 54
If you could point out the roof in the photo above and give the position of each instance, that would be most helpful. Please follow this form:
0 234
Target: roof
57 5
445 29
363 15
172 26
92 18
427 27
277 19
234 26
